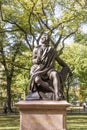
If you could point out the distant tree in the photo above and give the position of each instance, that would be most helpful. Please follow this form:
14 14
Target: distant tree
76 57
81 38
9 51
22 74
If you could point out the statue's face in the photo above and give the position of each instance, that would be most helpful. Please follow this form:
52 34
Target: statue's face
44 39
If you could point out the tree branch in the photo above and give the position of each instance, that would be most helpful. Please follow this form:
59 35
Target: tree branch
60 52
57 43
46 25
18 26
17 65
9 30
65 21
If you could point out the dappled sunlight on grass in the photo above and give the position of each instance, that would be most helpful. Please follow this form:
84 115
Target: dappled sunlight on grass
77 122
9 122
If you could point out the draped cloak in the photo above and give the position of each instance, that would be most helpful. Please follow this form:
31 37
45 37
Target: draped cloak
47 58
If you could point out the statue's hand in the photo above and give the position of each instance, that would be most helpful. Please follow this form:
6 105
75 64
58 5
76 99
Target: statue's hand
38 60
56 97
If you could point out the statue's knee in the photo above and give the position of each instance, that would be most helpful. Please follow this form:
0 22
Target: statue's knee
37 80
54 74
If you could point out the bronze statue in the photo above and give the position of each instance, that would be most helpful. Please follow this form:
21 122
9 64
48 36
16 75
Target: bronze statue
46 83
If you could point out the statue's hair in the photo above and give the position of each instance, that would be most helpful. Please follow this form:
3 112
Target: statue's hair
46 35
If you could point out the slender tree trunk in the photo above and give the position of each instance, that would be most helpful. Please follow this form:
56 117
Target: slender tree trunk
67 92
9 94
67 95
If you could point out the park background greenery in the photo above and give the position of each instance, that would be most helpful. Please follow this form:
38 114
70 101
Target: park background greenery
22 24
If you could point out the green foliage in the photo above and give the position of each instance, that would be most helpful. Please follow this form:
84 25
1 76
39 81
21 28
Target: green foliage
33 17
76 57
21 79
81 38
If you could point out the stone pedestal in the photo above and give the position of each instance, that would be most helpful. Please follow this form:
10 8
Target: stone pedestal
42 115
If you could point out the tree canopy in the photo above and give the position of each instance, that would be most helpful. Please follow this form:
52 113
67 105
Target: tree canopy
30 18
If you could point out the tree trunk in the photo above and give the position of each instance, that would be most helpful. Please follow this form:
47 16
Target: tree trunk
9 94
67 95
67 92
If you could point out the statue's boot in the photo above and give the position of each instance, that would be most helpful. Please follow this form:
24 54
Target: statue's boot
45 88
33 96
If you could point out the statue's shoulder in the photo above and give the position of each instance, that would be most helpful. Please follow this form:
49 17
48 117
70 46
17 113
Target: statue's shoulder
37 47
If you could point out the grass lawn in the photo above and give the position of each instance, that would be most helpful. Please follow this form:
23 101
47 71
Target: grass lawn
74 122
9 122
77 121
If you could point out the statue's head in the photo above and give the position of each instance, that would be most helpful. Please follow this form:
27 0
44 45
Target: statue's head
44 38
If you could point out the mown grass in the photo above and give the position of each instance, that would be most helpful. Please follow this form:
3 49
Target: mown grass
77 121
74 122
9 122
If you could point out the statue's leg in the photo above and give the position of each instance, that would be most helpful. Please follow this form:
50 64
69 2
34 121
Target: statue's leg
56 83
44 84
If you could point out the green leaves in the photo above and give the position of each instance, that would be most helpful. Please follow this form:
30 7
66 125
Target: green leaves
76 57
